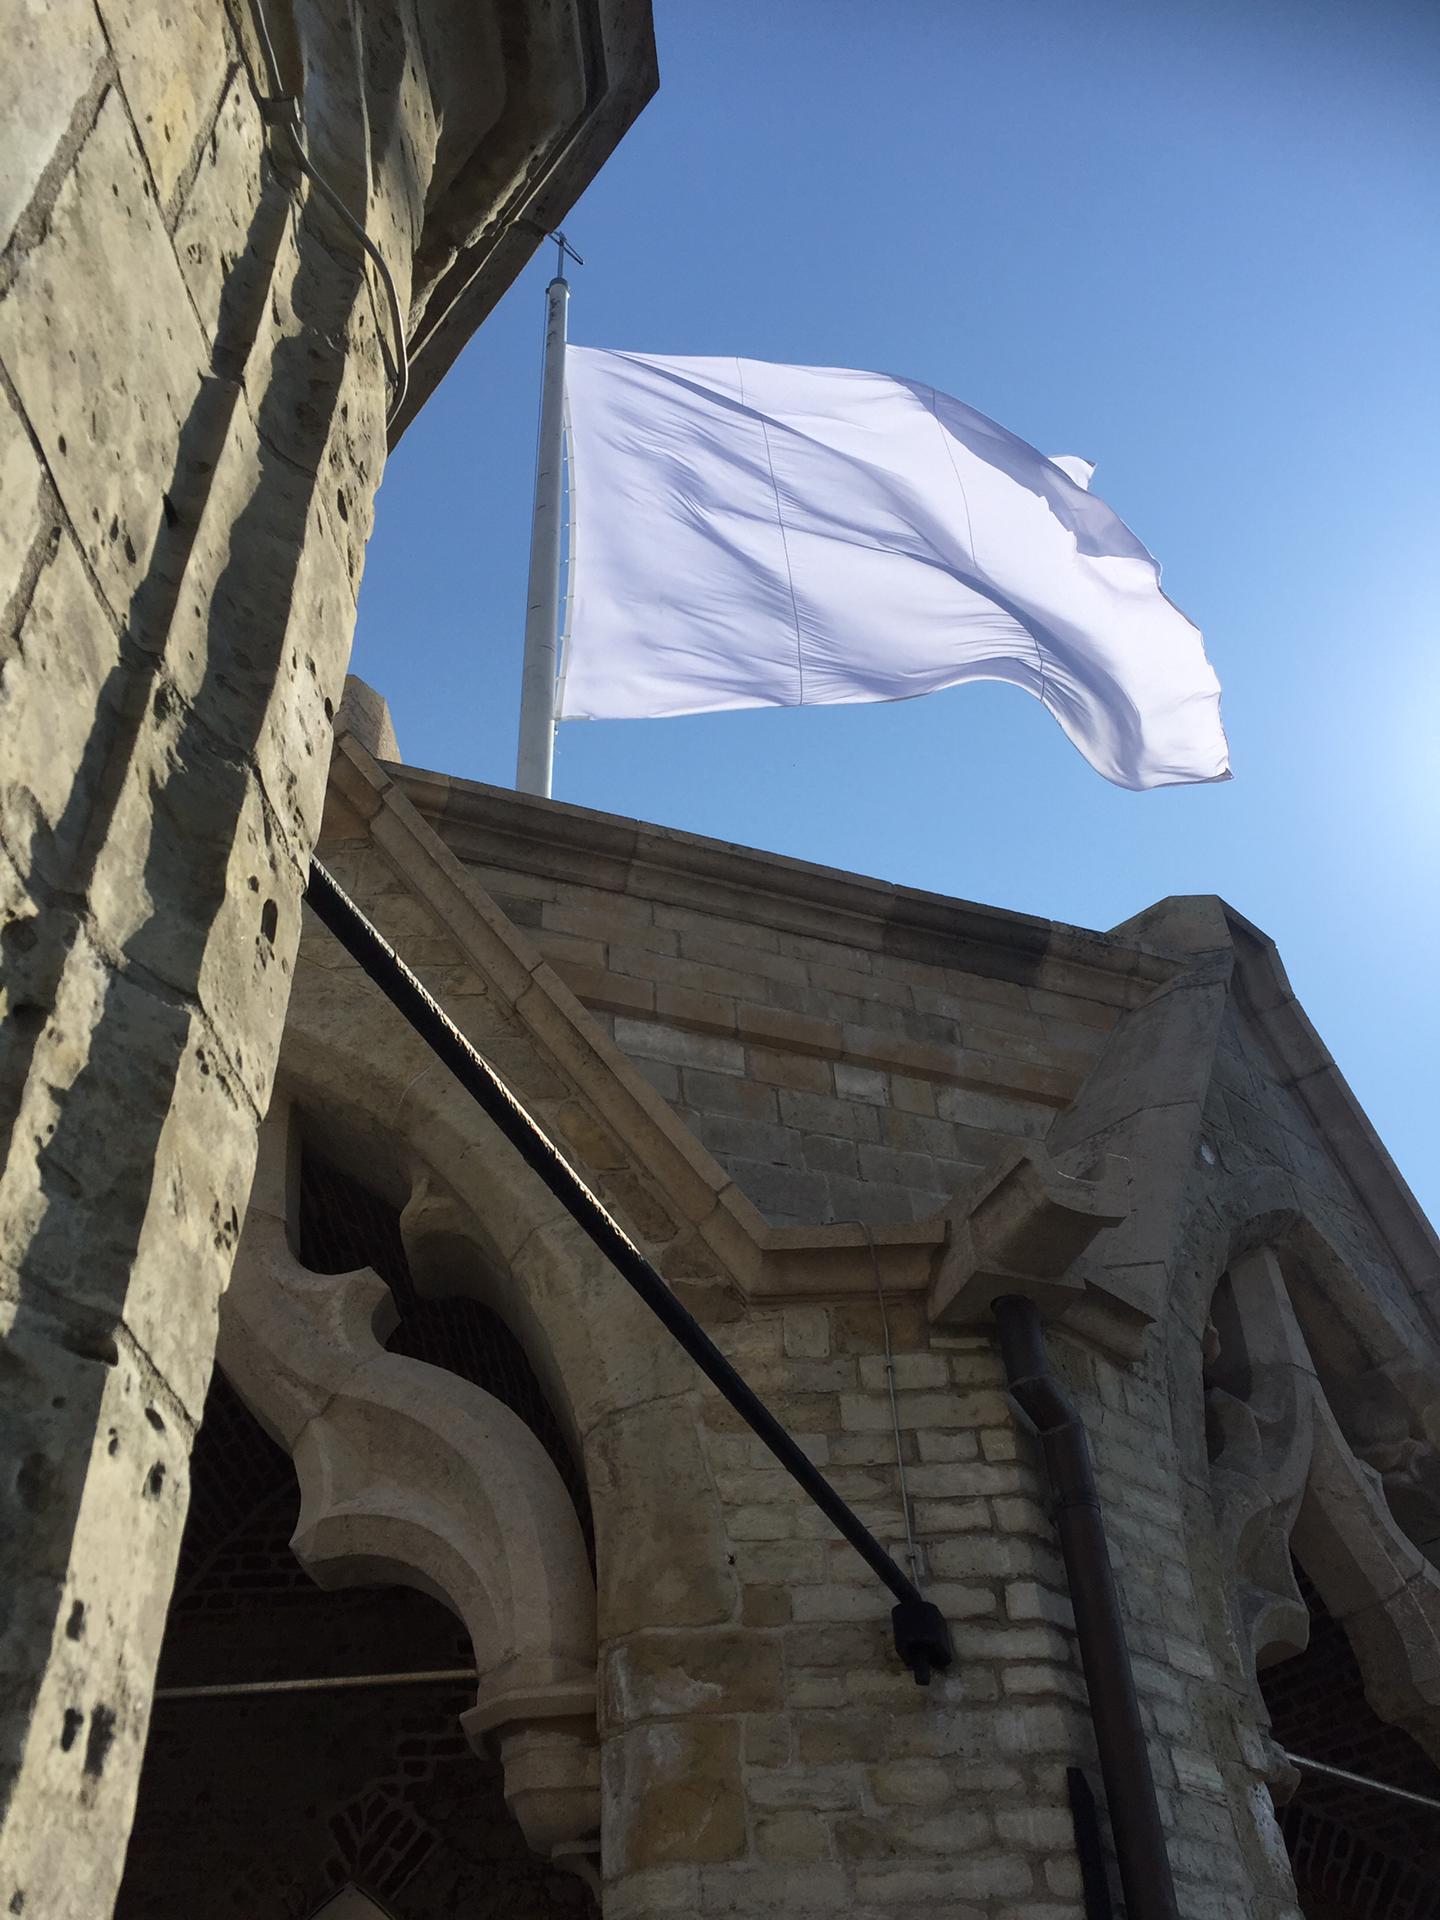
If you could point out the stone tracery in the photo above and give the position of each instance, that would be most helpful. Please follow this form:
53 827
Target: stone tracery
1290 1469
410 1474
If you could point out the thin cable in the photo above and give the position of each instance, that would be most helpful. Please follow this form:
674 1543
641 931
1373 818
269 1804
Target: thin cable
912 1551
335 1683
282 109
291 127
267 49
1360 1780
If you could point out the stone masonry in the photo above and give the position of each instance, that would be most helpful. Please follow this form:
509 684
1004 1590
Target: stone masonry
196 364
838 1112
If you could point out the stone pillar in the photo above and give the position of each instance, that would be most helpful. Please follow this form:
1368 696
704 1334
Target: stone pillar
195 368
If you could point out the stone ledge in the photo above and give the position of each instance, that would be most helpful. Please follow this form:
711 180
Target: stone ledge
493 826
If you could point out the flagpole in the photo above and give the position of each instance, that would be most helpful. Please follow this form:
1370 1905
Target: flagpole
534 760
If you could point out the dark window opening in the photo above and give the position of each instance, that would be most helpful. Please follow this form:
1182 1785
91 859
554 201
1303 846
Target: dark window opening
1356 1854
343 1226
267 1805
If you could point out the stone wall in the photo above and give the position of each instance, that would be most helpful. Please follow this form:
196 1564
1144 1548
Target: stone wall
717 1035
832 1083
195 370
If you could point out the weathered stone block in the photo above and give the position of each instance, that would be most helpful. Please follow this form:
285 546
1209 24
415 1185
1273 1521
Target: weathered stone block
781 1193
52 684
793 1836
825 1154
735 1140
772 1890
172 61
821 1788
52 52
660 1676
110 430
650 1041
817 1113
191 829
866 1084
662 1553
911 1783
672 1794
907 1370
84 1217
23 515
975 1878
765 1607
797 1071
91 1538
215 223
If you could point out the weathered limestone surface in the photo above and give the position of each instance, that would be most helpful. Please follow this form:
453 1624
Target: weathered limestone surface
715 1036
195 369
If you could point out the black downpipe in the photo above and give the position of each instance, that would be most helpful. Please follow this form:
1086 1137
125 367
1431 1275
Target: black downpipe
922 1638
1089 1848
1119 1736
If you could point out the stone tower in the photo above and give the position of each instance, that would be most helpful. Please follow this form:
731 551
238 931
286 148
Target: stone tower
234 235
842 1117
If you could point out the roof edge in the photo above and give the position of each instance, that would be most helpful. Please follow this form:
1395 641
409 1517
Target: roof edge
495 825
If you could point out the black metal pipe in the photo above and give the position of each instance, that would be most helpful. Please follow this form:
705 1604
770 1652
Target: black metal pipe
922 1638
1089 1848
1124 1757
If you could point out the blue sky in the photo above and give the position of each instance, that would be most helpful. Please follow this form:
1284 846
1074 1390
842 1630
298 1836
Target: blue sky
1196 243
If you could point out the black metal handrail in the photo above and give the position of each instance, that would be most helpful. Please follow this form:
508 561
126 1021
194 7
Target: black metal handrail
922 1638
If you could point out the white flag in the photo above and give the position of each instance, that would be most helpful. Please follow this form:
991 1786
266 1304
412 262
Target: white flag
754 535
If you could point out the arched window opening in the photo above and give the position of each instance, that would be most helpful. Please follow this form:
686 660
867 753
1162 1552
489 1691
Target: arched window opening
1380 1425
1225 1368
358 1802
1384 1402
344 1226
1356 1854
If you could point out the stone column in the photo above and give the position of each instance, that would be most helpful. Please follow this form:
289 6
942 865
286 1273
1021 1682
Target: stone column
195 368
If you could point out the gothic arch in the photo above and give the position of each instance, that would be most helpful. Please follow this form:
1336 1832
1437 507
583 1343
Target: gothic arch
475 1217
1285 1473
411 1475
478 1221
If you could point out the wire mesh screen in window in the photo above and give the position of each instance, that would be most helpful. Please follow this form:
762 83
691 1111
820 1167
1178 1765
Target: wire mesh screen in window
343 1225
1357 1854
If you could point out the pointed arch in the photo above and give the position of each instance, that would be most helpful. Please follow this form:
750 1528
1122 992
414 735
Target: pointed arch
411 1475
1285 1475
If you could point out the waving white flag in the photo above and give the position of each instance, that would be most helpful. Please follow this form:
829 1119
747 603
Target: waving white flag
754 535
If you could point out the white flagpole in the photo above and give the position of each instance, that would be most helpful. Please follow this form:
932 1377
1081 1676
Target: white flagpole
534 761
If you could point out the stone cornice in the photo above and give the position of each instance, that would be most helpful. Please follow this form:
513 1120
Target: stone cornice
494 826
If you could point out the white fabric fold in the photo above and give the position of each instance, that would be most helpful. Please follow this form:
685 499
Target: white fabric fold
751 535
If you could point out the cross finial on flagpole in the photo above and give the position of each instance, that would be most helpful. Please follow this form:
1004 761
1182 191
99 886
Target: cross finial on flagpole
562 249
